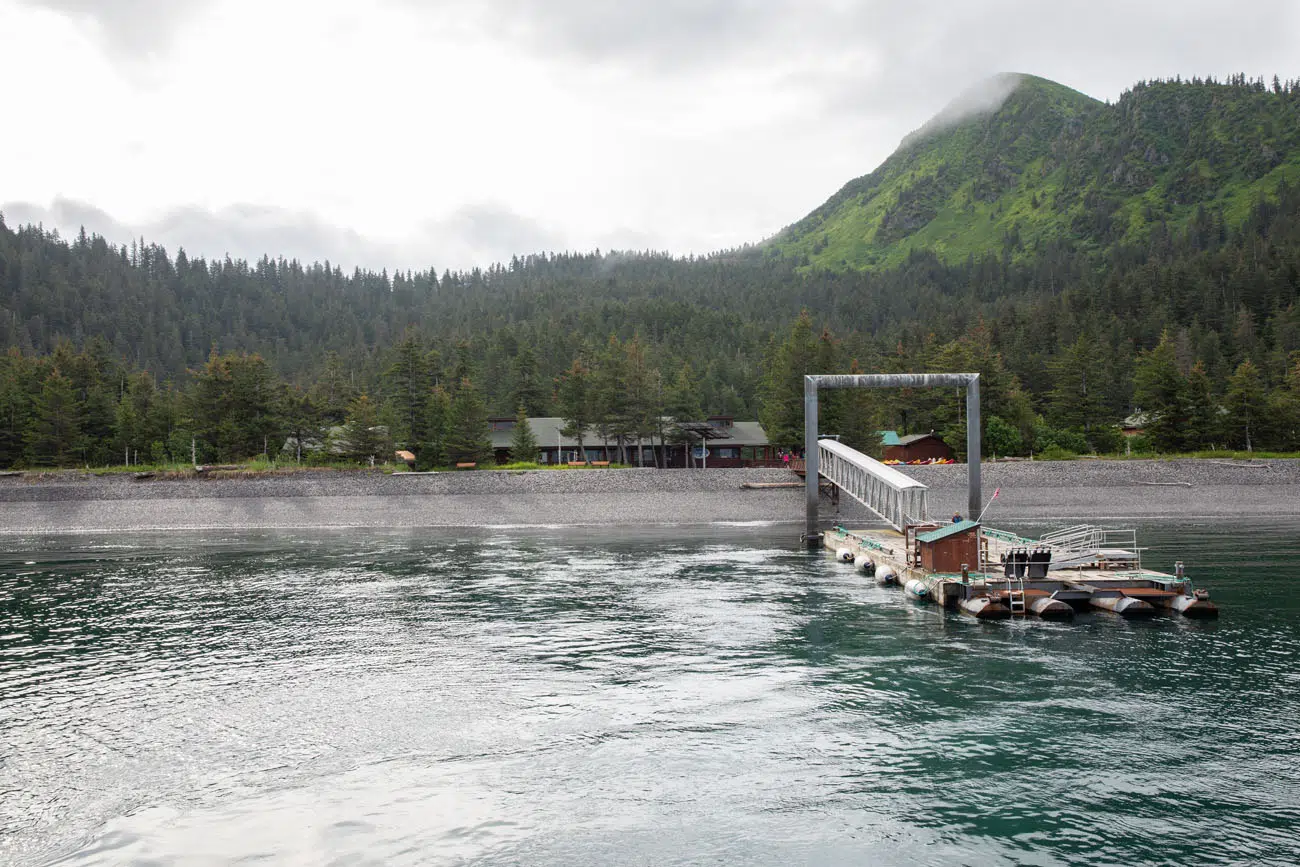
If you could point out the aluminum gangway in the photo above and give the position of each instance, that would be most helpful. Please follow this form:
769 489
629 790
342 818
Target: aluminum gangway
898 499
1086 544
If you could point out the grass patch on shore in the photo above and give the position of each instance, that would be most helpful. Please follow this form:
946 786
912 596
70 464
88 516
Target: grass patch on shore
263 467
530 465
1220 455
254 467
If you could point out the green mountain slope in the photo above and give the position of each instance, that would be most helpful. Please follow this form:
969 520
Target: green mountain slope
1050 164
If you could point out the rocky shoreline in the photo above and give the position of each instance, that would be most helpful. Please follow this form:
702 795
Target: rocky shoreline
1139 490
1050 491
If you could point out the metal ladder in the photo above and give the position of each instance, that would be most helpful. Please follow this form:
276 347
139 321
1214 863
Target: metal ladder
1016 582
1016 597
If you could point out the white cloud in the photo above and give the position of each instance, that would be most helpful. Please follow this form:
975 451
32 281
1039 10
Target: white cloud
984 98
481 232
468 126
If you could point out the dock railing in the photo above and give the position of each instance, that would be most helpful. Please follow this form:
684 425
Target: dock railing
1086 544
898 499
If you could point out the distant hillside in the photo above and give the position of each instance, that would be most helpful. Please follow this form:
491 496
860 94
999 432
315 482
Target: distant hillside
1053 165
1088 260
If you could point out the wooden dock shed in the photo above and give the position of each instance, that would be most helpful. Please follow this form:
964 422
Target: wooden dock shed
946 549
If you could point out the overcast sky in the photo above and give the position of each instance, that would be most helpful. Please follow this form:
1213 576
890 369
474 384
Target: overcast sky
403 133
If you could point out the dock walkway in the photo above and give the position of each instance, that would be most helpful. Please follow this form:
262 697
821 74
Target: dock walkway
1021 576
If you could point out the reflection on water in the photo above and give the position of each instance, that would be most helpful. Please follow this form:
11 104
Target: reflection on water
716 696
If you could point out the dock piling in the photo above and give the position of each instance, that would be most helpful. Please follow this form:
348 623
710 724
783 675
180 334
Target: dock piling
812 537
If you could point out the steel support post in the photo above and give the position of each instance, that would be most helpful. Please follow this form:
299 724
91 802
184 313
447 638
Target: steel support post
810 462
973 497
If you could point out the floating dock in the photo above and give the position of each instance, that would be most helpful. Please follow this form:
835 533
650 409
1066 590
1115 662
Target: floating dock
989 574
995 575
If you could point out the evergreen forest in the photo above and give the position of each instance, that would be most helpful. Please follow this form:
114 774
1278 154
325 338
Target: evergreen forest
1093 262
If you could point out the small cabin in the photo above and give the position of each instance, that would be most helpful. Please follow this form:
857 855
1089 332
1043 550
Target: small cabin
918 447
947 549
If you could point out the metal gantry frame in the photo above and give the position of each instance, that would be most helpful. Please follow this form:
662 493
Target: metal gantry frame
812 383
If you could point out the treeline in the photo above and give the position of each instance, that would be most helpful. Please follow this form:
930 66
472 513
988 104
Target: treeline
1180 408
86 408
112 349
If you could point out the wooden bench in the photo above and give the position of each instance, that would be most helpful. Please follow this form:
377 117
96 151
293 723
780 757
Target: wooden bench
600 463
577 463
469 466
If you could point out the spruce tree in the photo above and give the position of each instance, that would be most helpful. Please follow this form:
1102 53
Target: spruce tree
682 403
363 437
334 390
639 384
302 420
126 438
611 403
1160 391
1202 412
523 442
234 405
18 389
432 452
1078 397
781 406
409 381
468 437
528 390
1247 407
857 417
575 401
54 438
1284 409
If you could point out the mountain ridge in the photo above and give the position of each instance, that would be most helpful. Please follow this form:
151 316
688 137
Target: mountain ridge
1049 164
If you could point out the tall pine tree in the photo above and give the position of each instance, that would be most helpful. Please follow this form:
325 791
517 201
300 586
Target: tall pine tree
523 442
468 437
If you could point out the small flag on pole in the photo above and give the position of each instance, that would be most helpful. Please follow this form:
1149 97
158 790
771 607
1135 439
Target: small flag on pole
996 491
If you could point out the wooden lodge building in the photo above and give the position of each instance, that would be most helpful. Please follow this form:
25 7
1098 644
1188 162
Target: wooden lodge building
730 443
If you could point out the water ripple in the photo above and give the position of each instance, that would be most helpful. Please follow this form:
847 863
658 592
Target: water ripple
705 695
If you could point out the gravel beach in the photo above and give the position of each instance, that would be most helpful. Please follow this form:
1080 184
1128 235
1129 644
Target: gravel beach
1051 491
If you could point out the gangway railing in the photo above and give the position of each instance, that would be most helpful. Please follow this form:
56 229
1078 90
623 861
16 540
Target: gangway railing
1086 544
898 499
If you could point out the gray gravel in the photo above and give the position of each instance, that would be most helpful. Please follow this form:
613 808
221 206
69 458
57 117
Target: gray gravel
79 502
50 487
1114 474
1084 490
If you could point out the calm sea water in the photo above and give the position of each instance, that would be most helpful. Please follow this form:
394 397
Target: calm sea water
707 696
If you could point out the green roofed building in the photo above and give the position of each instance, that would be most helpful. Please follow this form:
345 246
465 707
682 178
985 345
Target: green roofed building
945 532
